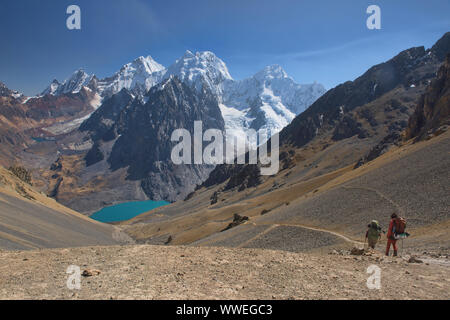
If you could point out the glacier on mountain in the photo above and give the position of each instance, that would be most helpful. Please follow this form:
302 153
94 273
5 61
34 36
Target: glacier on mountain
269 100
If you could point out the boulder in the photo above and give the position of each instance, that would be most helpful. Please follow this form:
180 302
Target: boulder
90 272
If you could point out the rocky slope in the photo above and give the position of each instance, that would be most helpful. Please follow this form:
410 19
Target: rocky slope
30 220
12 118
22 118
155 272
408 71
433 109
65 107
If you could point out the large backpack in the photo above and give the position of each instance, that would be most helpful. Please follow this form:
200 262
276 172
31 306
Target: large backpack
399 226
374 229
374 224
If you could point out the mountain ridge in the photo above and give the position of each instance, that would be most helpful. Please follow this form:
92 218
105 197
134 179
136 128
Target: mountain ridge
269 100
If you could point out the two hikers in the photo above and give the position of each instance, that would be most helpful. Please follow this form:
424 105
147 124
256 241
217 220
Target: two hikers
373 233
395 231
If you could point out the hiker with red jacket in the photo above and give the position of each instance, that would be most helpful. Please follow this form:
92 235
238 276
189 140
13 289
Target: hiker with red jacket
391 236
396 231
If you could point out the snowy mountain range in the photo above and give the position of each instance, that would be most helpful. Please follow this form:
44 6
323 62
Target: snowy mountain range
268 100
139 75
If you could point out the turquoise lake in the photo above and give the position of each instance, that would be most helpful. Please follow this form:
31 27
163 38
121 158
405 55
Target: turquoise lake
126 211
40 139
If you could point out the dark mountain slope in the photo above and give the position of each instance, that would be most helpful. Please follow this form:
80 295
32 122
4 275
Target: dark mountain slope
410 68
145 130
433 109
101 123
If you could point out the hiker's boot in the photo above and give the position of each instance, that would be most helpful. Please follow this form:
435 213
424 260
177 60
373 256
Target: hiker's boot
395 253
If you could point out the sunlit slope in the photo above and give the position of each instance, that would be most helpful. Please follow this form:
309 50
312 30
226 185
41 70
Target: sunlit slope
30 220
322 212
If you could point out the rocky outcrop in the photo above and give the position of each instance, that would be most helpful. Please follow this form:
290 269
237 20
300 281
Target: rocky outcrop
393 139
246 177
94 155
102 123
348 127
237 220
442 47
54 191
433 110
214 198
221 174
236 175
21 173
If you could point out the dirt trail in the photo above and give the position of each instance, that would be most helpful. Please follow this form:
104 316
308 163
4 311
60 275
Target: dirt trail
276 225
259 235
322 230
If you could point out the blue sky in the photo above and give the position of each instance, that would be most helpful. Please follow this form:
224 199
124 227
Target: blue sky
324 41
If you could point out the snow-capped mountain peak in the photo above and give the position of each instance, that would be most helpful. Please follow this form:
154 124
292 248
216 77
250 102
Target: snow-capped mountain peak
137 76
73 84
268 100
6 92
200 68
271 72
52 88
142 65
187 54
